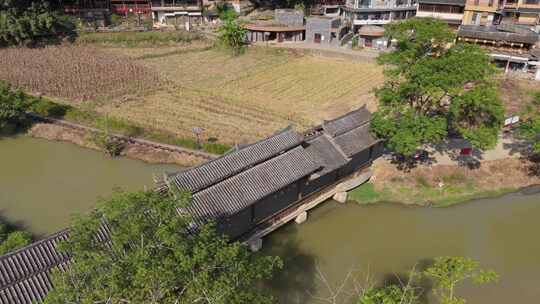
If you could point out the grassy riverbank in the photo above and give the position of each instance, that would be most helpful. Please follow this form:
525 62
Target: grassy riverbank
366 194
93 119
444 185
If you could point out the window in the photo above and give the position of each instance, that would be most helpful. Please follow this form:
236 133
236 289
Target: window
490 3
532 1
476 2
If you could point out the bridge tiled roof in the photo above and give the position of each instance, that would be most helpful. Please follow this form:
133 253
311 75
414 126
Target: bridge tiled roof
24 274
355 140
238 192
207 174
326 153
346 122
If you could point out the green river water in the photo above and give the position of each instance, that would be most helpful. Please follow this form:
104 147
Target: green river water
43 183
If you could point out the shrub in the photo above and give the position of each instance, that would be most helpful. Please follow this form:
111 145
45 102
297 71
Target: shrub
232 36
110 145
216 148
48 108
13 106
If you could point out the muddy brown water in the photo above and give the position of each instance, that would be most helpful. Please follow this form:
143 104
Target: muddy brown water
43 183
386 240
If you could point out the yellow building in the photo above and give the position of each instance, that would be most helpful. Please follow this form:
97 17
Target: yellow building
480 12
525 12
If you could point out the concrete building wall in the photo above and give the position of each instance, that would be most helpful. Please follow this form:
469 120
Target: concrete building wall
289 17
319 27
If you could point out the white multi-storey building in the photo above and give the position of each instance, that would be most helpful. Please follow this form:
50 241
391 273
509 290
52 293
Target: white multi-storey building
378 12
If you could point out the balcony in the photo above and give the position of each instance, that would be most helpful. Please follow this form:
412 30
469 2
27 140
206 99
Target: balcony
439 15
371 21
375 8
172 5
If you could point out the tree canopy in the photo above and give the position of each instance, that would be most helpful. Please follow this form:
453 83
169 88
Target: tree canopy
435 88
29 22
11 239
154 256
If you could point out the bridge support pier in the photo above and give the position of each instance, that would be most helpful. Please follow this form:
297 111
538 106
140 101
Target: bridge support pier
340 197
302 217
255 245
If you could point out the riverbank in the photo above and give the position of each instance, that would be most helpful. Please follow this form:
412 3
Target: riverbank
444 185
149 154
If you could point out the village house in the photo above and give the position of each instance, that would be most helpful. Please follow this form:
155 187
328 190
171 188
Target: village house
287 25
248 187
480 12
329 8
449 11
511 46
523 12
378 12
178 13
324 30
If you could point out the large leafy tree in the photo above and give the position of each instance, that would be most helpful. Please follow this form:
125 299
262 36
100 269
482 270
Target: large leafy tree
27 22
13 105
435 87
153 256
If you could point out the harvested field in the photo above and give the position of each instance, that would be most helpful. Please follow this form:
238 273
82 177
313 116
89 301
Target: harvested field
175 88
241 99
75 73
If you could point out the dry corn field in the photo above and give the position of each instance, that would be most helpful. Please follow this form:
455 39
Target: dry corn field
75 73
241 99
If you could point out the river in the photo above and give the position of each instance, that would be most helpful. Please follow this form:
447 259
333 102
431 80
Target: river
43 183
388 239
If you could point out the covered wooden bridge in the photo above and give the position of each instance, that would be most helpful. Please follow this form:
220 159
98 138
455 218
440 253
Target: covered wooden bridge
243 191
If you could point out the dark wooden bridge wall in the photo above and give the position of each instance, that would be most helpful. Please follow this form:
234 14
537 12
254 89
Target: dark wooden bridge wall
244 221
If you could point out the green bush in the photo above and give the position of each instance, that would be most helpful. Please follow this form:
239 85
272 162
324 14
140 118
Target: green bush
108 143
48 108
216 148
13 106
355 42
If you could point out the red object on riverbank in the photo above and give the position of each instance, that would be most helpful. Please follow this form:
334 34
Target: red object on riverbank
466 152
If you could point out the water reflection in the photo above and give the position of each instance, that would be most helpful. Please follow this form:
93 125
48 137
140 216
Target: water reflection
43 183
387 240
